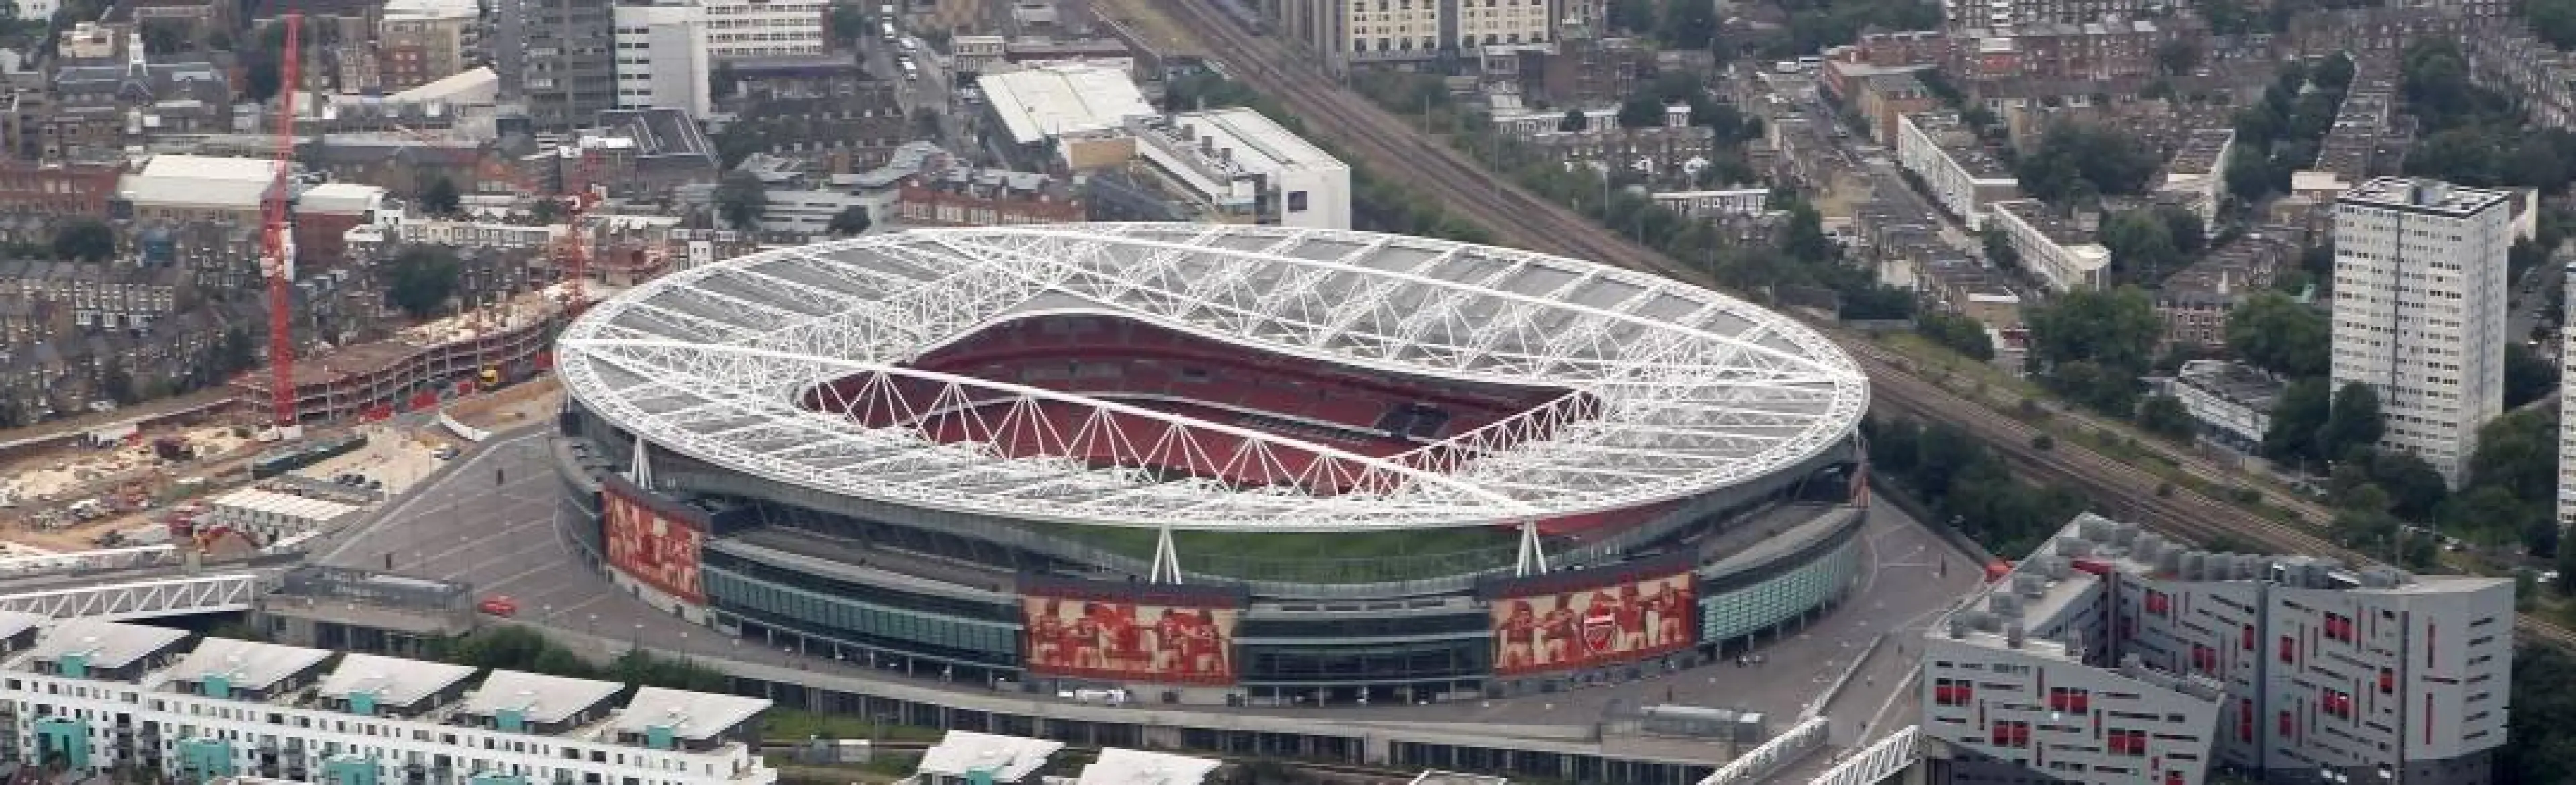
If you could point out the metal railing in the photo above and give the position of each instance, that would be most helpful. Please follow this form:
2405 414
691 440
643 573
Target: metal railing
142 599
1785 749
1887 758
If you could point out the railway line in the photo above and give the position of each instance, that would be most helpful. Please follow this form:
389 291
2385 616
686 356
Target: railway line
1392 148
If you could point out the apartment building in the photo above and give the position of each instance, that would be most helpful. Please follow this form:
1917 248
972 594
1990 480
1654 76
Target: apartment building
93 696
1988 14
2088 50
2419 310
2509 59
558 58
2194 302
1962 177
764 28
2066 257
422 41
2196 176
1352 33
2290 666
2567 422
664 58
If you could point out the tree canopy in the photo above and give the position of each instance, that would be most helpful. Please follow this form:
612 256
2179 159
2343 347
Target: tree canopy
2354 423
741 199
851 221
440 197
2075 159
85 240
1960 333
421 279
2092 346
2275 333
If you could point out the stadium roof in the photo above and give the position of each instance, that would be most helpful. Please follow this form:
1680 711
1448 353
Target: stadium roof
1675 390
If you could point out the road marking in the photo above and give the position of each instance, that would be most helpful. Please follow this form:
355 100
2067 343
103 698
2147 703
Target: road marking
351 537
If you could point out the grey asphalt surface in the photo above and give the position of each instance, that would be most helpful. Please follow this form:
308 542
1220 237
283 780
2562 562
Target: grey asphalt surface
491 522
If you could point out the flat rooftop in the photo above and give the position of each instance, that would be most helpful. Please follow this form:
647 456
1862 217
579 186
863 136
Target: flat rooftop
1270 147
1118 766
1041 103
285 505
107 644
696 716
2423 196
2200 151
537 697
2237 384
246 664
1009 758
391 681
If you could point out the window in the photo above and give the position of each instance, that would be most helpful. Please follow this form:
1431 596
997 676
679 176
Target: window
2128 743
2158 603
2011 733
2289 725
2387 681
1952 692
2204 658
2249 637
2289 649
2072 701
2245 720
1296 201
2339 628
2337 703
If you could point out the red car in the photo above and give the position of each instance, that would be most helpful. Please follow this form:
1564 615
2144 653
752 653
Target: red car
500 606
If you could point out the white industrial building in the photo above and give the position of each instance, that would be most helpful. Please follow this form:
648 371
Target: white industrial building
273 515
91 696
1947 155
1747 200
664 55
2233 403
2112 656
1038 105
1241 163
2419 310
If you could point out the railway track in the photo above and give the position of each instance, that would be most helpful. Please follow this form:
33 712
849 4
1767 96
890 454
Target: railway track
1388 145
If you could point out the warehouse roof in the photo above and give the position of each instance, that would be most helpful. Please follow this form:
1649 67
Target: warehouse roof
1041 103
200 181
282 504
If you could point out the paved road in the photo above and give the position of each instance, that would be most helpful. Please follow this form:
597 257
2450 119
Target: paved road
492 523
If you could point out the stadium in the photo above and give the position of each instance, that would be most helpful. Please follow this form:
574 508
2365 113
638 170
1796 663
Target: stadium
1213 463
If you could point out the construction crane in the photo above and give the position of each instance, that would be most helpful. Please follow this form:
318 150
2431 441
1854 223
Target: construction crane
277 240
580 194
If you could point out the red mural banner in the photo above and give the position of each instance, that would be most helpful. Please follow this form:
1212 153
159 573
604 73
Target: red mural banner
1582 628
660 550
1114 639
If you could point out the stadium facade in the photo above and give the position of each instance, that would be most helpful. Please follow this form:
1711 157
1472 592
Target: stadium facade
1204 464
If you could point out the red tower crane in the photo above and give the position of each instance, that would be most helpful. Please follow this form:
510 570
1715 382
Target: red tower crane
579 195
277 238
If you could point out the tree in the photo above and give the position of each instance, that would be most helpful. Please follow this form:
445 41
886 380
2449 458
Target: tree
2142 247
1961 334
2093 345
2103 161
2519 452
1635 16
440 197
85 240
1804 236
2249 173
851 221
849 22
421 279
1574 121
2526 376
2281 335
2566 564
2354 423
2302 409
2164 415
2177 57
2362 520
118 385
2487 513
164 36
1641 111
2188 232
1689 24
741 199
2415 490
1999 248
260 75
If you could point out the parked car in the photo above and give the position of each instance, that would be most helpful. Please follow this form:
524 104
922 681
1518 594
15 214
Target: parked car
499 605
